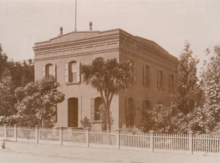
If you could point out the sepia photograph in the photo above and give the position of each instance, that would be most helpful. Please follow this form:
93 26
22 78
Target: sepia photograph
110 81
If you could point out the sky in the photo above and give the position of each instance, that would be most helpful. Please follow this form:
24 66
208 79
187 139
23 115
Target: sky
167 22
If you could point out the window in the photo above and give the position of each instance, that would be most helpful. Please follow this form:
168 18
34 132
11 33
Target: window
98 102
95 108
171 83
72 72
49 69
130 112
146 106
133 65
160 80
146 76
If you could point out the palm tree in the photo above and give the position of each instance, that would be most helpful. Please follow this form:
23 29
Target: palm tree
108 77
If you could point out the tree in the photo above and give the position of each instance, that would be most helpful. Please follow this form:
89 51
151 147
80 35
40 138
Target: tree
169 119
3 61
189 93
7 97
21 73
36 99
210 83
108 77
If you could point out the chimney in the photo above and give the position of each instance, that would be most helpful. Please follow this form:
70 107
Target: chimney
90 24
61 31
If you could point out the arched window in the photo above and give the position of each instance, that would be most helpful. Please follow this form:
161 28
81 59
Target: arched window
145 108
146 76
98 102
130 112
49 69
171 83
160 80
72 71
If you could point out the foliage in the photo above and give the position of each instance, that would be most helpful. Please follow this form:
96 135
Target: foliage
21 73
85 122
108 77
189 93
169 119
210 83
7 97
3 61
35 101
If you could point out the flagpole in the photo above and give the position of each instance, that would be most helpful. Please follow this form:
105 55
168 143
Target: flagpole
75 13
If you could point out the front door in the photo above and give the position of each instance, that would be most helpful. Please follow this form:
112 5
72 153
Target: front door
73 112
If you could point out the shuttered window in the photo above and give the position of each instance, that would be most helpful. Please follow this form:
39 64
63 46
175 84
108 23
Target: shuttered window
92 108
72 72
146 106
146 76
134 71
49 69
98 102
171 83
130 112
160 80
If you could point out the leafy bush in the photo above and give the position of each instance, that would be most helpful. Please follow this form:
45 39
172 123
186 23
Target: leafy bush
85 122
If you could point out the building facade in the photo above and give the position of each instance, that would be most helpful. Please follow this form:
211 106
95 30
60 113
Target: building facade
154 81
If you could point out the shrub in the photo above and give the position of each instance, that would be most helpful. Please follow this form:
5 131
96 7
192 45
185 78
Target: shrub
85 122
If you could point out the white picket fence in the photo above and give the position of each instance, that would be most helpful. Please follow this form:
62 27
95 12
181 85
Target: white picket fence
187 143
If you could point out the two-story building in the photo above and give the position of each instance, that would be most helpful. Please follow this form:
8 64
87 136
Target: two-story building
155 74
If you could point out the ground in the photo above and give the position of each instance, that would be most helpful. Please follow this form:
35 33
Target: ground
22 152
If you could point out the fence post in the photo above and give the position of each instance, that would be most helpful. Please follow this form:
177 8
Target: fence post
15 132
87 136
191 142
36 134
151 140
5 131
118 138
61 135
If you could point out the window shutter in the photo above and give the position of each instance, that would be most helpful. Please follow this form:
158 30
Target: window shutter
54 71
126 110
174 85
135 72
144 75
43 71
78 72
55 116
163 81
134 112
150 80
92 109
66 73
158 79
169 82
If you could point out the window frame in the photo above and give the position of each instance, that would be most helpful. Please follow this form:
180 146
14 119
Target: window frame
96 108
146 76
47 69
